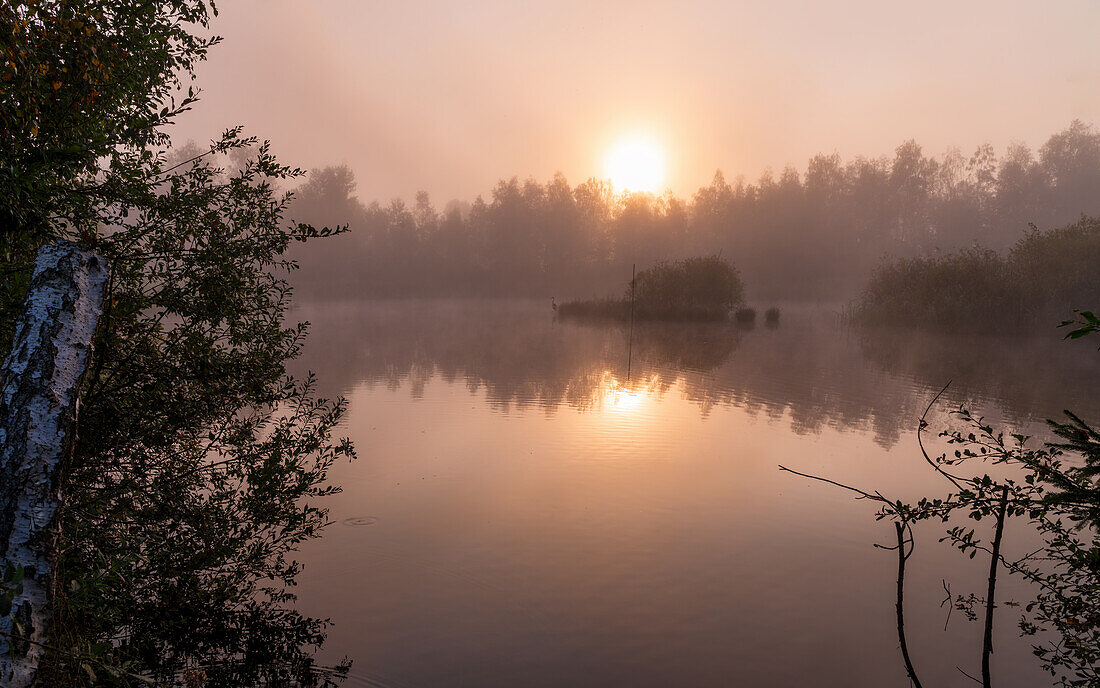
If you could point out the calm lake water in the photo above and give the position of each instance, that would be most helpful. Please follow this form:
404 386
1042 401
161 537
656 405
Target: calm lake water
531 509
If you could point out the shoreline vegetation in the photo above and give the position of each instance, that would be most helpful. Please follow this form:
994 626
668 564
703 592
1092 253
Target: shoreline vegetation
690 289
980 290
974 290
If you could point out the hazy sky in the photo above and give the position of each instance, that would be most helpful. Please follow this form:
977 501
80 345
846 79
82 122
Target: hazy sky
451 96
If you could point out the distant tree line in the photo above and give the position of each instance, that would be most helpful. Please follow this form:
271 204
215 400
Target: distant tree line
814 234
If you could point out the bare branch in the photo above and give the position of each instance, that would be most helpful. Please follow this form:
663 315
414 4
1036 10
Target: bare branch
987 642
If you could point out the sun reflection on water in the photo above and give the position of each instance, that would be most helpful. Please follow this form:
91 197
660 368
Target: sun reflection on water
629 398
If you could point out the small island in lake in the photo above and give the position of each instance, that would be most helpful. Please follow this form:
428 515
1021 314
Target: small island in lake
701 288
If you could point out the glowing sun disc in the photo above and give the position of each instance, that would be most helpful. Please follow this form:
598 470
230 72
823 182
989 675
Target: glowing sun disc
636 164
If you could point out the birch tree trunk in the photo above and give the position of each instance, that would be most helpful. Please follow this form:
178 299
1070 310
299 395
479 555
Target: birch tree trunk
39 383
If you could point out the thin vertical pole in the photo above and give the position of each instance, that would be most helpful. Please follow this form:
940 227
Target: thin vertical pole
630 338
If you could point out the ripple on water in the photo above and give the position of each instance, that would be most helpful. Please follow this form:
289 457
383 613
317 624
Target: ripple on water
360 521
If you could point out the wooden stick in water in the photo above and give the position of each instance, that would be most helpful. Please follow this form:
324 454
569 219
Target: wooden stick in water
630 338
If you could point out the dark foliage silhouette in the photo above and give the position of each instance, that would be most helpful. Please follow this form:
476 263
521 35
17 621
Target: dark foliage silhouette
981 290
199 465
688 289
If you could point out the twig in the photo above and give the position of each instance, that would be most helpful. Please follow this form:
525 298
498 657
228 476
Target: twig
900 604
948 601
920 442
967 675
861 493
905 537
987 642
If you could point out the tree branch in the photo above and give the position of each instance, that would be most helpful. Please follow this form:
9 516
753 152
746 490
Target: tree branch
987 642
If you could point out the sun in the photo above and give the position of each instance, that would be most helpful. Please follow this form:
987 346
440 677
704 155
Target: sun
636 163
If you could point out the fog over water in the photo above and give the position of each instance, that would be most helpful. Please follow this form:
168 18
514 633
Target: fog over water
814 369
534 508
545 501
552 343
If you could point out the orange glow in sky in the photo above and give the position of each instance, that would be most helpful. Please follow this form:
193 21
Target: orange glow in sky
450 98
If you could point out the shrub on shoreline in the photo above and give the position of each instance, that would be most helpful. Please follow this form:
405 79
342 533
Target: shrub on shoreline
703 288
977 289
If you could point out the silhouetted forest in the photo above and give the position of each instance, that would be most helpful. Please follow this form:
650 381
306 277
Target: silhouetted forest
815 234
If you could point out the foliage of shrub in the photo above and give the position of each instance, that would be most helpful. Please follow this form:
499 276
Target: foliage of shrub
705 288
200 465
1059 268
977 289
702 288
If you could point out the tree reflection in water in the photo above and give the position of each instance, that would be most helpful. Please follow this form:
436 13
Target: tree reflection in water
812 370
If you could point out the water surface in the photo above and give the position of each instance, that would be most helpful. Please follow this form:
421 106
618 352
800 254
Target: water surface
540 503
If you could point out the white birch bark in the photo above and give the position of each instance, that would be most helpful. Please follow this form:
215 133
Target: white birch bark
39 383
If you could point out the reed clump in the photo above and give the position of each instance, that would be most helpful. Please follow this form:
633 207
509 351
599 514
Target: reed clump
701 288
1044 275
